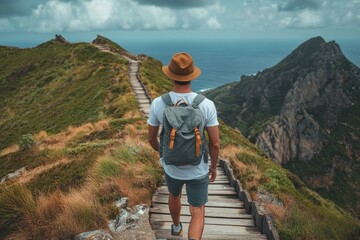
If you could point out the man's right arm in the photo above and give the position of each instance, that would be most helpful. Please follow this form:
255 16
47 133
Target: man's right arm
153 140
214 148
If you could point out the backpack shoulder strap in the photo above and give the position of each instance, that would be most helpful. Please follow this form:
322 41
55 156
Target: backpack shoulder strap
167 99
197 100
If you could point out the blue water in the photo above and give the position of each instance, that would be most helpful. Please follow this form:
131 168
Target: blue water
225 61
221 61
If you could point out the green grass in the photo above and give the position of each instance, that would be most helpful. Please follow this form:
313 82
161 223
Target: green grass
153 78
67 83
105 41
68 175
107 167
125 154
28 159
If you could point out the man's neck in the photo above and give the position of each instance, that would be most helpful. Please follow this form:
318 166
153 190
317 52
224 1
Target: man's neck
182 88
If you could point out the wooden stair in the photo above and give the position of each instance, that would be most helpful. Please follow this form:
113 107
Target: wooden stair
225 214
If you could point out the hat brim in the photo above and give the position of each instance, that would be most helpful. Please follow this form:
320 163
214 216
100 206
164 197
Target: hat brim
181 78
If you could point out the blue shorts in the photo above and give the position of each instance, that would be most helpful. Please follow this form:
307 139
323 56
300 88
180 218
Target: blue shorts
196 189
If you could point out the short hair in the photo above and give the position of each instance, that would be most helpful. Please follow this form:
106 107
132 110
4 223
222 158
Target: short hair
182 83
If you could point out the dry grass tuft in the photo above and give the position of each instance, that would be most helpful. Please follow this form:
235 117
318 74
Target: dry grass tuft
41 136
10 149
132 114
278 212
59 141
230 152
50 206
131 132
81 213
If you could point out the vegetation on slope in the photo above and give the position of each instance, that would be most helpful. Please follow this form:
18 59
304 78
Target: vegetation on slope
54 85
78 104
299 212
102 164
153 78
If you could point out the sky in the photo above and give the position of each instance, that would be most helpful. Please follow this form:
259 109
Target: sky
81 20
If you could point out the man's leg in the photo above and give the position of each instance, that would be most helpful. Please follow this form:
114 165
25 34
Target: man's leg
197 192
196 226
175 208
174 202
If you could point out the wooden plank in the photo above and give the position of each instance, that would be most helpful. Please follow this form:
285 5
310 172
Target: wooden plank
222 177
166 234
212 187
210 212
220 202
229 192
220 182
217 181
211 229
210 197
208 220
208 209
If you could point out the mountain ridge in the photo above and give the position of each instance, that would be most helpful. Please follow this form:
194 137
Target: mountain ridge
293 112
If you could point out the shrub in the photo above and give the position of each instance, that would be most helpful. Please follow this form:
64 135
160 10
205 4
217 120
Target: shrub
27 142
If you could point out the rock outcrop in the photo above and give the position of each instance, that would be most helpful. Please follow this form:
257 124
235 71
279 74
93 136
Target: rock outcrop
320 89
303 113
59 39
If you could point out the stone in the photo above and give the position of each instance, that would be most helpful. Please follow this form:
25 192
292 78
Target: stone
94 235
59 39
127 218
13 175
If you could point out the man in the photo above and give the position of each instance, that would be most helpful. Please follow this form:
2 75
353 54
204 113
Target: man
196 178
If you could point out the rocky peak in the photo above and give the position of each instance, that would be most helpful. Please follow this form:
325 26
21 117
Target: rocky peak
59 39
303 113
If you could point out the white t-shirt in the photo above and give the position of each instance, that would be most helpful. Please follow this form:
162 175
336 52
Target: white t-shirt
209 114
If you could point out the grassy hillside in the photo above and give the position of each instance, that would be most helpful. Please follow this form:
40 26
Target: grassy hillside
55 85
90 141
75 173
151 75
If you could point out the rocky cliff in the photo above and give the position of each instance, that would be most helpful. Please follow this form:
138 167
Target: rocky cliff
304 114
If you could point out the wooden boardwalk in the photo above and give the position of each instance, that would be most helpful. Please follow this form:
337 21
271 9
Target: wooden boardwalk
225 214
138 88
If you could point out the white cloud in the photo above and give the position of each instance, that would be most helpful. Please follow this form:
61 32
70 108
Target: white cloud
56 15
252 15
213 23
6 25
261 14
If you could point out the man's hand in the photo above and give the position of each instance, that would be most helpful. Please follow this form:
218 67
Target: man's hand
212 172
214 148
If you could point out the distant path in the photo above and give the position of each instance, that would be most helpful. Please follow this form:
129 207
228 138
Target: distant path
138 87
226 217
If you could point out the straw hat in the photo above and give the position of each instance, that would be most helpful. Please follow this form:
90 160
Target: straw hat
181 68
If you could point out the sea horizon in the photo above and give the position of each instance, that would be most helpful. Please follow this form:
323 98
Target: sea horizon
222 61
225 61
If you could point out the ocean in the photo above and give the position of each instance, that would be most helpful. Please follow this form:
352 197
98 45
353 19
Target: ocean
221 61
225 61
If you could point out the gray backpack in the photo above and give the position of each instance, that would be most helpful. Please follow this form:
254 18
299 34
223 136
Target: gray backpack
182 141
